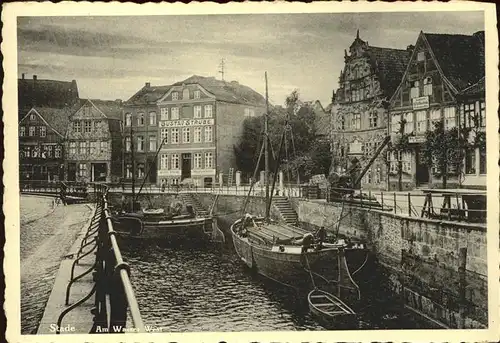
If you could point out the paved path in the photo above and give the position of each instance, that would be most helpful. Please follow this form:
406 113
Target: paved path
46 236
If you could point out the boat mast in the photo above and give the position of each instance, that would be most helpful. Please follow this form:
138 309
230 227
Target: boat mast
266 151
133 165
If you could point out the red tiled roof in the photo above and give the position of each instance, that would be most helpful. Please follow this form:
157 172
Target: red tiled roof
46 93
147 95
390 65
461 57
233 91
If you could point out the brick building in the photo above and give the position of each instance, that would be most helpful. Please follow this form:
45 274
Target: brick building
94 142
442 80
359 108
200 122
41 143
140 124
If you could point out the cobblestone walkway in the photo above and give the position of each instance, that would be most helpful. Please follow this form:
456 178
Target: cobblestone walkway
46 236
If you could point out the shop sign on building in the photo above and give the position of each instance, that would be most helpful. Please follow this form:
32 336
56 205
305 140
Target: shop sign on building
355 148
203 172
416 139
187 122
169 172
420 103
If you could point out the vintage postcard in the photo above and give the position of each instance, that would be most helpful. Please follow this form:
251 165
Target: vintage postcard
251 172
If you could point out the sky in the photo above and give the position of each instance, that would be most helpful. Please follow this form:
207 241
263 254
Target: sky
113 57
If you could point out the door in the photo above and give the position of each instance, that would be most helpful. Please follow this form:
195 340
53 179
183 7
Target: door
186 166
422 172
99 172
152 171
71 171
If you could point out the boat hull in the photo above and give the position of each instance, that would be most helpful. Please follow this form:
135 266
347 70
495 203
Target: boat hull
175 229
332 314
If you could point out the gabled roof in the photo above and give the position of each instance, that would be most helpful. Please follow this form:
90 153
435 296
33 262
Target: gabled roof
57 119
111 109
147 95
390 66
476 89
460 57
233 91
46 93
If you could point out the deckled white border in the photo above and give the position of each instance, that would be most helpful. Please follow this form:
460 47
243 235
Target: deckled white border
11 163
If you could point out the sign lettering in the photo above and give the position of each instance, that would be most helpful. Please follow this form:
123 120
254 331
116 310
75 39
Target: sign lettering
420 103
187 122
416 139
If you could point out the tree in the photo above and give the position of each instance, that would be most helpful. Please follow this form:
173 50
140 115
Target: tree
398 147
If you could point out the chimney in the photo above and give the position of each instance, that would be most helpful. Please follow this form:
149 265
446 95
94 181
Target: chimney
23 76
410 48
34 77
148 84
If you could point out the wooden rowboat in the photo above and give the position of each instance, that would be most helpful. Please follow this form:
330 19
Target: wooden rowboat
330 310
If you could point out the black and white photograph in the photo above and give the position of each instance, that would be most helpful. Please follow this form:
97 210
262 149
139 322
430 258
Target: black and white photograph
284 173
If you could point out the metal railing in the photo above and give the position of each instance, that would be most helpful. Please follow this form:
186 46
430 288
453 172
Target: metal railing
114 295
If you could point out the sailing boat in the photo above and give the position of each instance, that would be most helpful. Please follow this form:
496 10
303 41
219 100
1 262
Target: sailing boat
290 255
180 221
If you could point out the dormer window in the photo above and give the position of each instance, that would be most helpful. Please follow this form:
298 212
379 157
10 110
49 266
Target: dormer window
185 94
415 91
175 96
421 56
196 94
128 119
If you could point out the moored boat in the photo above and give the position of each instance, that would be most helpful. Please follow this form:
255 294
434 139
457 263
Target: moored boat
332 312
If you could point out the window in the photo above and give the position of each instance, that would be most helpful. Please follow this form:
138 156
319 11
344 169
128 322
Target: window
175 136
356 121
251 112
393 162
409 122
342 122
185 94
83 147
415 91
152 143
43 131
208 111
140 119
469 115
164 134
378 174
197 111
186 133
57 151
127 143
72 148
49 151
449 118
140 170
396 123
421 56
32 116
128 119
128 171
174 113
406 159
22 131
97 124
164 113
196 94
82 169
32 131
164 161
435 117
197 161
208 160
482 161
373 118
247 112
208 134
197 134
421 121
93 147
175 96
87 126
470 161
428 86
140 143
175 161
482 116
152 118
104 146
77 127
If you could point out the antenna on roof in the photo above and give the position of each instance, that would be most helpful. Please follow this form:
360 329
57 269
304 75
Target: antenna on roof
221 70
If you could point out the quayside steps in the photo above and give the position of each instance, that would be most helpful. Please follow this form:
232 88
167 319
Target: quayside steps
288 214
190 199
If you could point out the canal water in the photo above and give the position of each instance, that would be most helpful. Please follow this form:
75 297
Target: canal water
183 289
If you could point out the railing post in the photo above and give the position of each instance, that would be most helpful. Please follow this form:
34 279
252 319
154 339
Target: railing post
382 199
369 199
394 202
409 204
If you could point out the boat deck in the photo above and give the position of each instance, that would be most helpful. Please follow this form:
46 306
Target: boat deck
269 232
